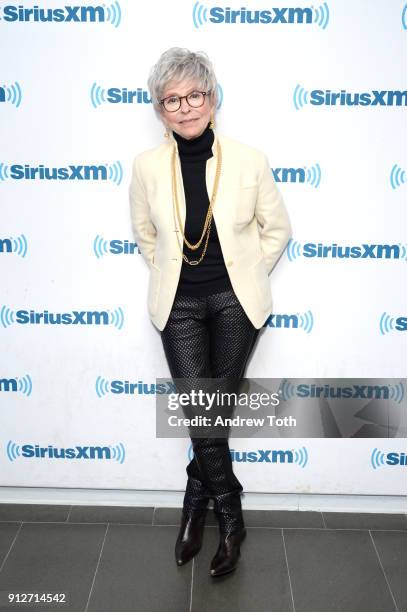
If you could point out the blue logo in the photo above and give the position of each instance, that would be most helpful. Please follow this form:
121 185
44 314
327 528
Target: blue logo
379 459
103 247
202 15
326 97
11 94
393 392
113 452
404 17
310 175
292 321
300 456
116 95
111 14
398 177
296 249
125 387
17 245
16 385
104 172
75 317
388 323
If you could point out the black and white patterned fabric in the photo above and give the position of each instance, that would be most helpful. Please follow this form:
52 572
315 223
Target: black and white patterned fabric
210 337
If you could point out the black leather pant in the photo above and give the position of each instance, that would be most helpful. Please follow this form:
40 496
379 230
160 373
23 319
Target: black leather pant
210 337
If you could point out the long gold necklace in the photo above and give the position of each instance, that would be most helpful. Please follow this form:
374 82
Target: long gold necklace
208 220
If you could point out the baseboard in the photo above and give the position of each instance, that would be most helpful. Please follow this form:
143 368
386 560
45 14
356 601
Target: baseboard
173 499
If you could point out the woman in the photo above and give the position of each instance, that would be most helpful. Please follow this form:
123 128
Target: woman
211 225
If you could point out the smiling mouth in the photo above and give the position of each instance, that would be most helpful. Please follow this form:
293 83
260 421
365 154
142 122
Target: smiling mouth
188 120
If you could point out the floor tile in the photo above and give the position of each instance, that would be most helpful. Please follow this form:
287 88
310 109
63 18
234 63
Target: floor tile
283 518
33 512
392 549
111 514
54 558
259 584
336 571
138 573
7 534
364 520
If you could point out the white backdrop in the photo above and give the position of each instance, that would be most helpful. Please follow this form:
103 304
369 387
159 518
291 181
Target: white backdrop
342 170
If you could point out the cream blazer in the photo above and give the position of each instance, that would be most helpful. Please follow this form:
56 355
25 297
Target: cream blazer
251 219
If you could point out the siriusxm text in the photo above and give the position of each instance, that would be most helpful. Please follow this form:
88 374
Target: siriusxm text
362 251
13 13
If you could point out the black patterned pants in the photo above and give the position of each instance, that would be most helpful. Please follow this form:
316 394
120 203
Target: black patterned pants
210 337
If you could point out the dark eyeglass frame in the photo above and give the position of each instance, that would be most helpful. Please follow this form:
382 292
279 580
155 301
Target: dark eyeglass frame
204 93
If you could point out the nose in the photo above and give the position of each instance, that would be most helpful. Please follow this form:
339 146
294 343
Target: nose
184 105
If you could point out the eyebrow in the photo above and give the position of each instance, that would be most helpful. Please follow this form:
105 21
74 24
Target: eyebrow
178 95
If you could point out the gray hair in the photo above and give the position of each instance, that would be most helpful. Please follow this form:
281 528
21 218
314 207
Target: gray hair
177 64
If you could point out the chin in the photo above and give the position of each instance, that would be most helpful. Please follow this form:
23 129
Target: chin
191 131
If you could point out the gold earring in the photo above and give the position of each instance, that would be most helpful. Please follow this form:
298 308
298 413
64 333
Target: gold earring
212 122
166 134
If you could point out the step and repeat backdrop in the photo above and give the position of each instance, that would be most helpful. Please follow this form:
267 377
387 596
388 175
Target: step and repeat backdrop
321 89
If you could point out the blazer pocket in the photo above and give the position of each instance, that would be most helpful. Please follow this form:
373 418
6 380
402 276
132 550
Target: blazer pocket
153 288
262 282
246 198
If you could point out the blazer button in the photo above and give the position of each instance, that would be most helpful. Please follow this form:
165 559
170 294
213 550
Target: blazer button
229 263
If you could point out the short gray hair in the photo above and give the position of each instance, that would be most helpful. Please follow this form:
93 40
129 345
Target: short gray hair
177 64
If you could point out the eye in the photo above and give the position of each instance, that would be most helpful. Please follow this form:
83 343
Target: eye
195 95
172 100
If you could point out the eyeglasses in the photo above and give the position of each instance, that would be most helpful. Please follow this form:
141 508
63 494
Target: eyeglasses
194 99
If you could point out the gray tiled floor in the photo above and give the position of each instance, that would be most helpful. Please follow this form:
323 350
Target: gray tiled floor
114 559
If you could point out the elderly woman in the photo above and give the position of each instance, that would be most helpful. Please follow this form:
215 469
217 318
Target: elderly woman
211 225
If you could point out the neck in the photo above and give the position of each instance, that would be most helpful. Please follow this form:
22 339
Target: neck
195 149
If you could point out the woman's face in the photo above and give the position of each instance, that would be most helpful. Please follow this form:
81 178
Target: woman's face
188 122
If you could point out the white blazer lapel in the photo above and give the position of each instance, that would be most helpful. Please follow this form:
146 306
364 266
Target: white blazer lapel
179 187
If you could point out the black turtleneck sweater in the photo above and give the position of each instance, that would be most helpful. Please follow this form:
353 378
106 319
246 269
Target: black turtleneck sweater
210 275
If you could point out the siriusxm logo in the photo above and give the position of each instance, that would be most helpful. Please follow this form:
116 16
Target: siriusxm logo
379 459
393 392
291 321
113 247
104 172
326 97
16 385
404 17
282 15
11 94
398 176
75 317
125 387
17 245
29 451
271 456
298 175
116 95
388 324
67 14
334 251
300 456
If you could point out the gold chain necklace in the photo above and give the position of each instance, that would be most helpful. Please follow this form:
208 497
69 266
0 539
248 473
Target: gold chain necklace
209 214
